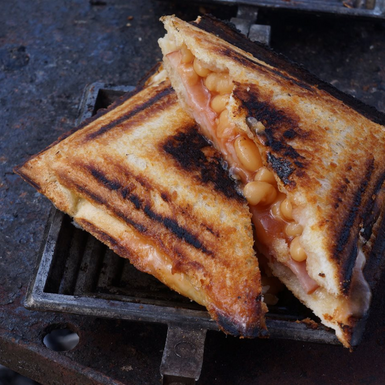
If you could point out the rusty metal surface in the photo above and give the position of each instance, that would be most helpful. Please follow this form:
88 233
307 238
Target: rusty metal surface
49 50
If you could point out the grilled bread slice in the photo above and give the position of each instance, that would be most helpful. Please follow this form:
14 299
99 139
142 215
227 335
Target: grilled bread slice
310 161
142 180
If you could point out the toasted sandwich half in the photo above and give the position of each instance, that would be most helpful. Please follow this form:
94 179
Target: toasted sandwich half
310 161
141 179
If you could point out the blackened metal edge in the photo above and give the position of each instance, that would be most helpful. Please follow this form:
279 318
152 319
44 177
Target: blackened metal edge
124 308
299 331
90 95
36 287
377 12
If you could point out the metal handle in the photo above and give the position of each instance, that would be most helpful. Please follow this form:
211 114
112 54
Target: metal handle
246 17
183 355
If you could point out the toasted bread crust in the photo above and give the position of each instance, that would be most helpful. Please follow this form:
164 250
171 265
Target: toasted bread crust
140 179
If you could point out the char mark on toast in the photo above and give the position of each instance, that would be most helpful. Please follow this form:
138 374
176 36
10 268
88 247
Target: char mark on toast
114 185
373 210
293 71
247 62
139 204
182 233
20 171
280 127
189 149
282 167
100 200
365 210
86 122
102 236
158 101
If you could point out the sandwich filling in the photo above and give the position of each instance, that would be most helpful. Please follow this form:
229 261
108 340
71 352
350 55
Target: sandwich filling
209 93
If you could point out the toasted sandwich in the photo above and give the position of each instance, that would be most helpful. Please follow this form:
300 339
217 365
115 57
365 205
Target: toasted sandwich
141 179
309 159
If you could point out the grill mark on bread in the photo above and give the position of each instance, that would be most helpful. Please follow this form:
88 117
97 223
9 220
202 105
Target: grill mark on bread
182 265
92 196
21 170
124 191
347 239
169 223
181 232
97 115
368 214
352 214
102 236
252 65
148 106
165 195
191 152
346 273
373 210
282 167
103 111
280 126
260 51
110 184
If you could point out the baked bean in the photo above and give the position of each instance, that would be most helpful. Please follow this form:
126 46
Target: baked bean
218 82
247 153
223 119
265 175
187 56
287 209
275 210
224 126
259 193
276 206
224 84
297 252
293 229
218 103
211 81
200 69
